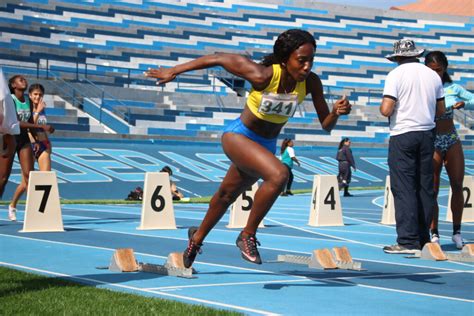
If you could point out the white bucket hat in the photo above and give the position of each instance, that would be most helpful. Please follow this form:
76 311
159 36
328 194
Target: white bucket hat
404 48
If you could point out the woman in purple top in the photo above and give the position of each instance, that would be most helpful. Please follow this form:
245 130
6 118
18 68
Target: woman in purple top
346 161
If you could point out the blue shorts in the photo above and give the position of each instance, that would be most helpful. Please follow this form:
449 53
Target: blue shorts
238 127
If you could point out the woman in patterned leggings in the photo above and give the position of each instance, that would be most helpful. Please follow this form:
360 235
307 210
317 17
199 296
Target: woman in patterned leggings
448 148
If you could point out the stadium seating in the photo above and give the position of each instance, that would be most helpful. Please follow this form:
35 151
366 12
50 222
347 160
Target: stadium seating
111 43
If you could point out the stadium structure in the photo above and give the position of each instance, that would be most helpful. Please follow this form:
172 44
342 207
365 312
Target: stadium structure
91 55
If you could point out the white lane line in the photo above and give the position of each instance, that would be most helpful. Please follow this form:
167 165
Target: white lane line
326 235
343 239
142 234
165 294
227 266
309 279
143 254
340 280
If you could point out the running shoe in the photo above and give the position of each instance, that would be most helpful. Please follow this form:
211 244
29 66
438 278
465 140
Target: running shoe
435 238
399 249
192 250
11 213
248 248
457 239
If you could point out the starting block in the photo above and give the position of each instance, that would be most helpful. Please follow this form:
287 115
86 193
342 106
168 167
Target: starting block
344 259
466 255
324 259
433 251
123 260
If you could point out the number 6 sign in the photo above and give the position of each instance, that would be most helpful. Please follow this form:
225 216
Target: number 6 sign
157 204
325 207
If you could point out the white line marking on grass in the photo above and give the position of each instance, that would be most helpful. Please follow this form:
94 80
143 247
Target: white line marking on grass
165 294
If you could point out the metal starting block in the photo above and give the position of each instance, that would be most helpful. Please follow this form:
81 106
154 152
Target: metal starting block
324 259
466 255
344 259
433 251
124 260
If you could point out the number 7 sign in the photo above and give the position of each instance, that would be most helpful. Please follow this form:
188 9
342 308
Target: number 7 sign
43 210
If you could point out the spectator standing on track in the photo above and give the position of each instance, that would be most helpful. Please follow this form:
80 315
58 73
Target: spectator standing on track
346 161
288 158
279 84
18 86
9 126
448 147
413 95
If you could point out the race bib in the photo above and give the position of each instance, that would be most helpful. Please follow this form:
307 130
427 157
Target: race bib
278 104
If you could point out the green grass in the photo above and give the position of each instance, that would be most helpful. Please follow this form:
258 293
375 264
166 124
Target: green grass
29 294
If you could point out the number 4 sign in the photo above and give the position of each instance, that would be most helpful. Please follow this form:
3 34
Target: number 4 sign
325 202
157 204
43 210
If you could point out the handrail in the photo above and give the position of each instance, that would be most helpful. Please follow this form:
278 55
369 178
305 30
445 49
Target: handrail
104 94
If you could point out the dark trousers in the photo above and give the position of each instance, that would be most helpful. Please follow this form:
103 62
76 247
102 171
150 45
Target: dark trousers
290 178
345 174
410 158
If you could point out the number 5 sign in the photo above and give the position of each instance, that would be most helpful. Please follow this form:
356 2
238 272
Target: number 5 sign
325 202
240 209
157 204
43 210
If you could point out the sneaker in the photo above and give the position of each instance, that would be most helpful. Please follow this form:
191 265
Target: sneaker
399 249
457 239
289 192
248 248
11 213
192 250
347 194
435 238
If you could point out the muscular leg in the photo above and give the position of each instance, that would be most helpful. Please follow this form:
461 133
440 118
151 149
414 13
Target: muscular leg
251 161
25 156
44 161
454 163
437 166
235 182
6 160
257 161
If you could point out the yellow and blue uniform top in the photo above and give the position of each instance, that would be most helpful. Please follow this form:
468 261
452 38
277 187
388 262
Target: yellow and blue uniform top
274 107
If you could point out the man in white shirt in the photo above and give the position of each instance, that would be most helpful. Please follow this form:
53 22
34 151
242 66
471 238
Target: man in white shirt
413 95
